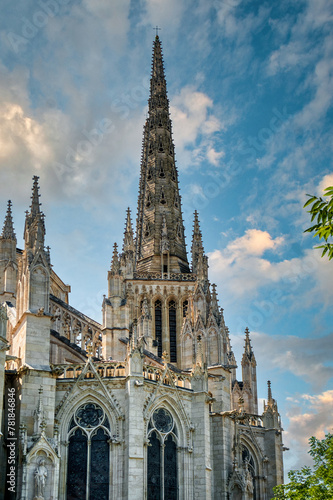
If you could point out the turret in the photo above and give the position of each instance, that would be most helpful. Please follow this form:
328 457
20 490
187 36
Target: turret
33 290
271 417
249 375
8 264
34 275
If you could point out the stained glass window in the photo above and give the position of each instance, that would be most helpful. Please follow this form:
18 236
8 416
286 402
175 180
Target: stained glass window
88 466
162 470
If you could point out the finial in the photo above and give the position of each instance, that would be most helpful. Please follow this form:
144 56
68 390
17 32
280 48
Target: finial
157 29
90 351
8 228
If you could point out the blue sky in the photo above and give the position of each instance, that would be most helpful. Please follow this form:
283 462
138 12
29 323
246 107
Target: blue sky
250 87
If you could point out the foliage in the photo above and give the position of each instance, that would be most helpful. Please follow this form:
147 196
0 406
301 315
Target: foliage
322 211
308 484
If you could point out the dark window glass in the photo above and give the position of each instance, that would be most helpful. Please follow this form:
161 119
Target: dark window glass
170 469
158 326
154 468
77 466
173 331
99 468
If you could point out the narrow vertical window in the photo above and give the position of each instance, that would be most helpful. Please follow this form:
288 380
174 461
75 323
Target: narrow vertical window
154 468
162 467
158 326
173 331
185 308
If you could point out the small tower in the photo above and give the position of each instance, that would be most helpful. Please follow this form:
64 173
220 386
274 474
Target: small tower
271 417
273 439
199 259
33 287
31 335
249 376
115 311
8 263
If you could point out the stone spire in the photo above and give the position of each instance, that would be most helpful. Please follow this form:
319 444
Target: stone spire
34 231
270 398
8 232
158 190
115 265
271 416
248 348
249 374
128 244
199 259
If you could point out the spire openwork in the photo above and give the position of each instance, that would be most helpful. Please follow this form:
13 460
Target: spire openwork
159 203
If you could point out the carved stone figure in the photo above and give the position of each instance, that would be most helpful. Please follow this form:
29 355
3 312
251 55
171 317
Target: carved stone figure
40 480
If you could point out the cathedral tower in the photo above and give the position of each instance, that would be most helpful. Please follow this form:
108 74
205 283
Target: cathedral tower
160 239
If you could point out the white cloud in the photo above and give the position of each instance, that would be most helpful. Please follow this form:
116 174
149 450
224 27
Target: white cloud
254 242
193 123
326 181
306 358
214 156
309 415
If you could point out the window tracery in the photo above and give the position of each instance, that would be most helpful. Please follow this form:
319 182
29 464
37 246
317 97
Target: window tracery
88 465
162 470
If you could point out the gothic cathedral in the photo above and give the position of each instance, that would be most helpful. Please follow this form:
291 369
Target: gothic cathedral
145 404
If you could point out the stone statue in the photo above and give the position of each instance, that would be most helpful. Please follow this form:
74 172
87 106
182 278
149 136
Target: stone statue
40 480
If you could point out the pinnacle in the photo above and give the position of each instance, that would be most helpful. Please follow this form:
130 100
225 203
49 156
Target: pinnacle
35 204
8 232
270 399
248 347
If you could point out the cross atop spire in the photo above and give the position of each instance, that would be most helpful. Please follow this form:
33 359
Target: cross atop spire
159 198
8 232
157 29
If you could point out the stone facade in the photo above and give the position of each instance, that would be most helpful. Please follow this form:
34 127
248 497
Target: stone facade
145 404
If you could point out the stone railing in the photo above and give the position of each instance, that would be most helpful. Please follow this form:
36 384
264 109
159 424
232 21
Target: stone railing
75 326
155 374
114 369
145 275
105 369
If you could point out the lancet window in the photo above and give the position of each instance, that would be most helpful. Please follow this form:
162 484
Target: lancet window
158 326
162 469
173 331
88 464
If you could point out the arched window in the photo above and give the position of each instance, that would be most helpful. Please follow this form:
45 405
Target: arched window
158 326
173 331
88 464
162 470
